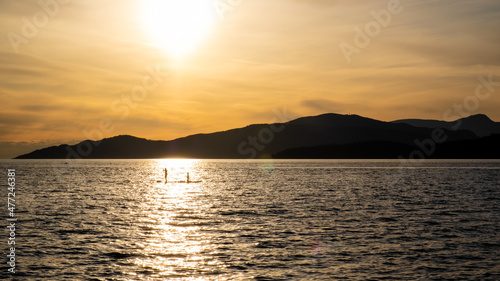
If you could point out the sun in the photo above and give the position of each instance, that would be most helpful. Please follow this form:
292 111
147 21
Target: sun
178 25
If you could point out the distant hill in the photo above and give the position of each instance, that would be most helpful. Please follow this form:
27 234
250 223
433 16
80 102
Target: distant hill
258 140
361 150
483 148
480 124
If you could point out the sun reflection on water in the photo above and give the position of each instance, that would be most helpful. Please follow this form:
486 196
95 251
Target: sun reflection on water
173 214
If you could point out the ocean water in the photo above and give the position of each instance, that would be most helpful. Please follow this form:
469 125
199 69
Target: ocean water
253 220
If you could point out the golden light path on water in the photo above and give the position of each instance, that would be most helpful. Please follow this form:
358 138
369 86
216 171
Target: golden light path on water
173 213
257 220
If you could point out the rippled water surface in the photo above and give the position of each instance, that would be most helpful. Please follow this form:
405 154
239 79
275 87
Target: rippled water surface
254 220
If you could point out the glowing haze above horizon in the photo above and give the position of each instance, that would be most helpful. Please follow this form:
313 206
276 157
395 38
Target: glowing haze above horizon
166 69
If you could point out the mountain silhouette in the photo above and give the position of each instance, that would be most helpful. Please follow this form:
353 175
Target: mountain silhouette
480 124
483 148
260 140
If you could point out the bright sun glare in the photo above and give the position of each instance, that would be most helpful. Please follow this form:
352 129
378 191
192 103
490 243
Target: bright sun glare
178 25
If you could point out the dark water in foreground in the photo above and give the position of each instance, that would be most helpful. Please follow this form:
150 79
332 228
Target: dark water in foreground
254 220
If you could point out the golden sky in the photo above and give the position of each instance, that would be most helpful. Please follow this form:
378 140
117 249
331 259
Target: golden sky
70 69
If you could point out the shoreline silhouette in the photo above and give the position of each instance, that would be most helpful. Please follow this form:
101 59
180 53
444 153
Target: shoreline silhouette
323 136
